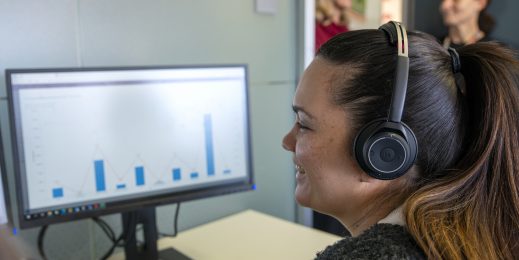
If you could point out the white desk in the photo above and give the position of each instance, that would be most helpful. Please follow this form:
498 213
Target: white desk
248 235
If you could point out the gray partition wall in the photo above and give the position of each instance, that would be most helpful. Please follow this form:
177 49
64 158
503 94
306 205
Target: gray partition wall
75 33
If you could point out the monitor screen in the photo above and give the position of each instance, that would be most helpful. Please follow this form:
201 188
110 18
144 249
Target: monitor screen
95 141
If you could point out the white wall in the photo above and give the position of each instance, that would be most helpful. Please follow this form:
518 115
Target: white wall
71 33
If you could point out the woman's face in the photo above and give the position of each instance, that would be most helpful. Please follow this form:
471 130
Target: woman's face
456 12
328 178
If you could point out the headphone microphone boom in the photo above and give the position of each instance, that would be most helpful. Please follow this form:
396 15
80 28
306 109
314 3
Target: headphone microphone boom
386 148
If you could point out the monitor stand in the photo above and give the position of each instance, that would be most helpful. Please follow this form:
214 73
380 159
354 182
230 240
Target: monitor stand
148 250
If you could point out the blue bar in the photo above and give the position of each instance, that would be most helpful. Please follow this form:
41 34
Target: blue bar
57 193
121 186
209 144
227 171
139 176
194 175
176 174
100 175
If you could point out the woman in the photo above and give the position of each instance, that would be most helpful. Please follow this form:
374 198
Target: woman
467 22
460 198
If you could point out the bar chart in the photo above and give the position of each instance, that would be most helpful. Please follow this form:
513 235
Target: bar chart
99 171
141 138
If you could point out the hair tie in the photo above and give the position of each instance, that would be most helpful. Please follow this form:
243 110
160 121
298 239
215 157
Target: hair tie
455 60
456 67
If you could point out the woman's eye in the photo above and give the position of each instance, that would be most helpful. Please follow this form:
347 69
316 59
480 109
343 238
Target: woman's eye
302 126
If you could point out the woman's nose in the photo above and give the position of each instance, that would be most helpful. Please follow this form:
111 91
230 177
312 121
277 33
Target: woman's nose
289 142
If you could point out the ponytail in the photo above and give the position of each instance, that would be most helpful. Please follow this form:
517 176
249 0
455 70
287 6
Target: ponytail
472 210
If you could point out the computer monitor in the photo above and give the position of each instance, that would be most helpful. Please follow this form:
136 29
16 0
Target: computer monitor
95 141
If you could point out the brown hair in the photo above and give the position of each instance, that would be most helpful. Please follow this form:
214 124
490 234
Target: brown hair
463 199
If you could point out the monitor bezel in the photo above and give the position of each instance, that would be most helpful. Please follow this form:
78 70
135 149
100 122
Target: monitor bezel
5 186
131 204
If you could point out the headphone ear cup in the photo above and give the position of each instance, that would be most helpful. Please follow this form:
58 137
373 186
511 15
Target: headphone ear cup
385 150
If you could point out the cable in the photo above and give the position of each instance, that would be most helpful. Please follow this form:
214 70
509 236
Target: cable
125 235
41 235
175 222
102 224
111 250
130 231
106 228
175 226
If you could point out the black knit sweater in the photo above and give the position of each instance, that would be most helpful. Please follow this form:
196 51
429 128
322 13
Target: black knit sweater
382 241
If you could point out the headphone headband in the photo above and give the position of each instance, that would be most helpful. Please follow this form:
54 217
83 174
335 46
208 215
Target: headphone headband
398 36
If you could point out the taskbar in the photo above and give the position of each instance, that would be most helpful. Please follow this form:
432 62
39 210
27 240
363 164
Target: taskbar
63 211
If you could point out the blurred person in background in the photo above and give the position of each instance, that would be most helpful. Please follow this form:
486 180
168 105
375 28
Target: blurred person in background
331 18
467 22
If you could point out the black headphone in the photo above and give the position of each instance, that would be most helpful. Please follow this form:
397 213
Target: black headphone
386 148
